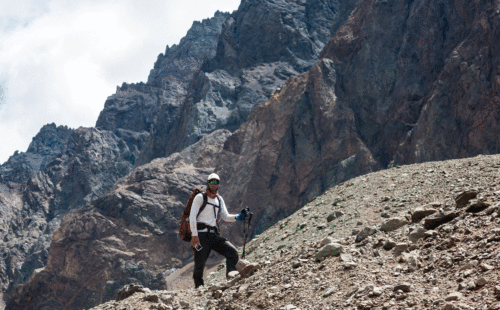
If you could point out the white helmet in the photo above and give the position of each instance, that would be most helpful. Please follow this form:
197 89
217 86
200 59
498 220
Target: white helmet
213 176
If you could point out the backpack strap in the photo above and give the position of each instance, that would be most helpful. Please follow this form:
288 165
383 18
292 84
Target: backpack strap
203 205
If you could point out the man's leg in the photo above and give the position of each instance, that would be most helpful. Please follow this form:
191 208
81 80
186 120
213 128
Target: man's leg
200 258
224 247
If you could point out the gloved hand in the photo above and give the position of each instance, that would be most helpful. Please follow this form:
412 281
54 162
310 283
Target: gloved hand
242 215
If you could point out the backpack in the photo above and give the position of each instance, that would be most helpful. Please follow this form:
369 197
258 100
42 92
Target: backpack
185 229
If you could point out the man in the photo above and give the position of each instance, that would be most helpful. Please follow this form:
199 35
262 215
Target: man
203 230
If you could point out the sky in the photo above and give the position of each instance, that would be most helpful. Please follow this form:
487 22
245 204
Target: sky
61 59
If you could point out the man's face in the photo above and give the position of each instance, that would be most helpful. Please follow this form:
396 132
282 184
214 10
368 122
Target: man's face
213 187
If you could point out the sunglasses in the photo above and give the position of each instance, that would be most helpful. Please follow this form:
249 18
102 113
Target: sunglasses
213 182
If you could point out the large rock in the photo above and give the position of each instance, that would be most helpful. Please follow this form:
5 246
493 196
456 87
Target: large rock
367 231
331 249
440 218
463 198
421 212
392 224
417 233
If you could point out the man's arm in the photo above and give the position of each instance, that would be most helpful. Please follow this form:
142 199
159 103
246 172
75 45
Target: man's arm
195 208
225 216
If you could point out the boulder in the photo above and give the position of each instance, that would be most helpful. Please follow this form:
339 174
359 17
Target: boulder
419 213
331 249
438 219
476 206
367 231
400 248
462 199
393 224
417 233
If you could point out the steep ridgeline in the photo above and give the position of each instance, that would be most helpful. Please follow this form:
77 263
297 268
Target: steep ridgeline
44 147
262 44
134 108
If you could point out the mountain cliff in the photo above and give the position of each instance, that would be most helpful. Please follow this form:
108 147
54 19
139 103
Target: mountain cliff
294 98
260 46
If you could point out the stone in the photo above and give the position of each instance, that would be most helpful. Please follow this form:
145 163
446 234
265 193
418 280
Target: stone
481 282
393 224
476 206
249 270
349 265
400 248
331 249
128 290
486 267
453 296
329 291
326 241
346 257
463 198
419 213
367 231
450 306
405 287
389 244
492 209
430 234
438 219
334 215
416 234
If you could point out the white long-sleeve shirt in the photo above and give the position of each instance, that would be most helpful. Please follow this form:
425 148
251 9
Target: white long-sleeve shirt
207 215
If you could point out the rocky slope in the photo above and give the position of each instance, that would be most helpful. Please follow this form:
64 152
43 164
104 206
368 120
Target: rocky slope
86 165
421 236
261 45
400 82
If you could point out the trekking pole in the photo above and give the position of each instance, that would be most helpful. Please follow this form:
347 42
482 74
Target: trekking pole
246 233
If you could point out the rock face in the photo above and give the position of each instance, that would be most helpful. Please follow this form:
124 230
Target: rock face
260 46
135 107
433 89
127 236
86 167
44 147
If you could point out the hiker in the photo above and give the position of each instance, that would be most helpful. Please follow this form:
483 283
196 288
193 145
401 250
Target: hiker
205 231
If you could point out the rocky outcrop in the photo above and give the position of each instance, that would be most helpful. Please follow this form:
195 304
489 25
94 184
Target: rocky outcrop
89 165
126 236
134 107
421 78
261 45
86 168
44 147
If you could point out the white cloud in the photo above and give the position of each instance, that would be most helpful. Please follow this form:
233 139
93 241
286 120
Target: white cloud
60 60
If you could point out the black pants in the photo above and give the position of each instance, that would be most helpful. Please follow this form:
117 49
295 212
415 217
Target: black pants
209 242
